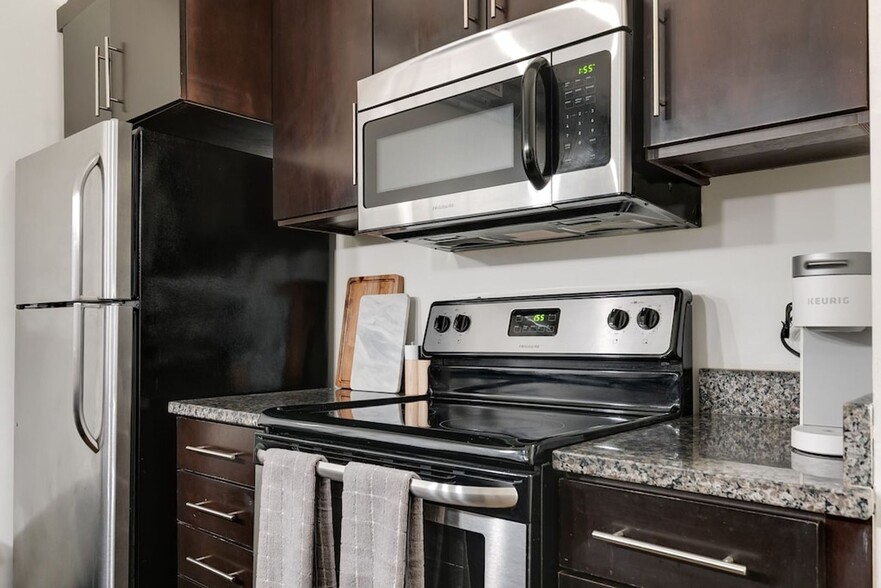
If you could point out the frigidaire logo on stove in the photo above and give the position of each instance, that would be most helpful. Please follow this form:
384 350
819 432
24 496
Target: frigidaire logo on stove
443 206
828 300
526 346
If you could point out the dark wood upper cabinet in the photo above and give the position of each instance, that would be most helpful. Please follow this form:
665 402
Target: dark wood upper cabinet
227 52
406 28
508 10
755 83
170 58
320 50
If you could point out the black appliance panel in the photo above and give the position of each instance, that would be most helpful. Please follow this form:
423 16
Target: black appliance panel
229 304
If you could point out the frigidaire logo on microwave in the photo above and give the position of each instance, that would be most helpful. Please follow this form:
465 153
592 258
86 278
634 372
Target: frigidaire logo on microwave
828 300
443 206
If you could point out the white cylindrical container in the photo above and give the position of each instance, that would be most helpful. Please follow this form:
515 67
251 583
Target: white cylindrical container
832 291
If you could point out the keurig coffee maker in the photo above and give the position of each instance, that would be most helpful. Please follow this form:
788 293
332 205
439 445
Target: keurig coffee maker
832 304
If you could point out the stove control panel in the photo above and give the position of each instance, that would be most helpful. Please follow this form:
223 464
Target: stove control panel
631 323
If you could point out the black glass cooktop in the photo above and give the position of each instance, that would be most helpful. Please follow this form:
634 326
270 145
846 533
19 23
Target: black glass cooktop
491 429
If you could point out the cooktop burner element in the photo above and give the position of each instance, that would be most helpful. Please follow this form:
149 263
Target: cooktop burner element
527 375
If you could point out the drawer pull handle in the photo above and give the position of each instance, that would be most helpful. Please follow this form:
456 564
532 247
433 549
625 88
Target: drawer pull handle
214 452
200 561
723 565
200 506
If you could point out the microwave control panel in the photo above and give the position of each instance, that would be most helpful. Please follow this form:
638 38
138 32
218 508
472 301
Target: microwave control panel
583 112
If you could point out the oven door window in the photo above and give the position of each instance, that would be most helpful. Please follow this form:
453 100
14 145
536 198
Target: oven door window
453 557
458 144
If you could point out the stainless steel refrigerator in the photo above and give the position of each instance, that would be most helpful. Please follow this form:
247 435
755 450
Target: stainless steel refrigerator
148 269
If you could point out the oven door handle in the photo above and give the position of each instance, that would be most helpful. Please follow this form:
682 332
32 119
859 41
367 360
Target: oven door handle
538 175
447 494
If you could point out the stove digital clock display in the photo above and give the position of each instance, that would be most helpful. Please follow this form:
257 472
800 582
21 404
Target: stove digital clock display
534 322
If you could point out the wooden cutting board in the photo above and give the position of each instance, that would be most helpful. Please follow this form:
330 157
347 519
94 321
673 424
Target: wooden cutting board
356 288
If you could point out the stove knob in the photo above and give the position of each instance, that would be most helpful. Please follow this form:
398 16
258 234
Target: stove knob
441 323
462 323
648 318
618 319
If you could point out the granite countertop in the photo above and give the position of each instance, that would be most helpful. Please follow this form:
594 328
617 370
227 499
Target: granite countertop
244 410
738 457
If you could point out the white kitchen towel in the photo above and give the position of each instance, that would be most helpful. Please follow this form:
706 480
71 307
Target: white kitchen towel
382 543
295 523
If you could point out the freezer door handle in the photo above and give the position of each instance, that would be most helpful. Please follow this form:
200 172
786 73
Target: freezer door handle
77 229
93 442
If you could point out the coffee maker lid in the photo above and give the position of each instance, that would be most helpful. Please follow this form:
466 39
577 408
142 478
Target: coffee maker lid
832 264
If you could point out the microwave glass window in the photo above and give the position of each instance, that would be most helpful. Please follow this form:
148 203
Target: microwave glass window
584 88
461 146
461 143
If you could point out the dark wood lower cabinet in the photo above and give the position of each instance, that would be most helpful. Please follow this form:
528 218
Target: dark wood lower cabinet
207 559
777 547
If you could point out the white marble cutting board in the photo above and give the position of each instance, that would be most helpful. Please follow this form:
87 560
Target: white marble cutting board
378 361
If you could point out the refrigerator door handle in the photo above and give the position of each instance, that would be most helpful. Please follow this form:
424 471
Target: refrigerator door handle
77 230
79 418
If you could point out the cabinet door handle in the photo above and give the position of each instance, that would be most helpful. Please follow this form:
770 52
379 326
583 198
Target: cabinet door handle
722 565
200 506
466 14
354 144
214 452
493 6
97 84
656 60
199 561
108 98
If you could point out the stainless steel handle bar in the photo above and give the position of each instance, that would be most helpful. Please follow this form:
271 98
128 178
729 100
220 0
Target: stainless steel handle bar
722 565
450 494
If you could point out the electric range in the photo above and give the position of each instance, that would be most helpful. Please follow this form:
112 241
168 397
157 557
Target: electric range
511 380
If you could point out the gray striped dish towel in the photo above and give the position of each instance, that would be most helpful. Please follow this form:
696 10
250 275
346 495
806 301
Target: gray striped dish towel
295 523
382 543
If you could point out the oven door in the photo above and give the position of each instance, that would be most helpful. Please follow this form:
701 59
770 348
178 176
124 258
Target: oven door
456 151
464 547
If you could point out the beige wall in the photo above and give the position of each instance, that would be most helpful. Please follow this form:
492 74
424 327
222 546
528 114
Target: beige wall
737 265
30 118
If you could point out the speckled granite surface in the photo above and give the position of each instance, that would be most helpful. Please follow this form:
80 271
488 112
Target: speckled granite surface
244 410
730 456
750 393
858 441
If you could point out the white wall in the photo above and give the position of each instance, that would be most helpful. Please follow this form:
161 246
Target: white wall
738 264
30 118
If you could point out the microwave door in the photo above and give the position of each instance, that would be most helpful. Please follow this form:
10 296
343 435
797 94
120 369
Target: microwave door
453 152
73 219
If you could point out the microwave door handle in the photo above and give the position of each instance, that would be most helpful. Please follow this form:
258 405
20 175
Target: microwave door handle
538 176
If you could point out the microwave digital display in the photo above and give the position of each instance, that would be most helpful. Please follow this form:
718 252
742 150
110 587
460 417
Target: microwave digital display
584 90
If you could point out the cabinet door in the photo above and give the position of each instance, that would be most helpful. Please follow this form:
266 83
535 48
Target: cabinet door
320 51
81 36
228 56
508 10
406 28
147 74
744 64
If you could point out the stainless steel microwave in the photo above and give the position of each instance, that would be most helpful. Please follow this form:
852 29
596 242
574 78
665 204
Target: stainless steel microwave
528 132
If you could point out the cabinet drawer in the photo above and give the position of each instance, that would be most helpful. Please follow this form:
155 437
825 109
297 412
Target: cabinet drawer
221 508
564 580
777 550
221 451
183 582
221 563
